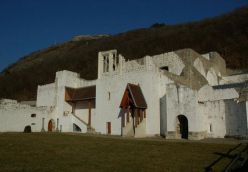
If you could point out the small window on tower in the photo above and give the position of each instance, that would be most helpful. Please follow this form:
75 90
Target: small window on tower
109 95
165 68
104 64
33 115
107 69
210 128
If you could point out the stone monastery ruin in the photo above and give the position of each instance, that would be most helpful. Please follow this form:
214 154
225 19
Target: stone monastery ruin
179 94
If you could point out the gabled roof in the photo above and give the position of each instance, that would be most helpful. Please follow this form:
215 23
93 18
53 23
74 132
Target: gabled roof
133 94
79 94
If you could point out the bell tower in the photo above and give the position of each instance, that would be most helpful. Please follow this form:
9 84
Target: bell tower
108 62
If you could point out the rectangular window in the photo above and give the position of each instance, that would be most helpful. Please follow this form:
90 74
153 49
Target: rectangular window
109 96
108 127
210 128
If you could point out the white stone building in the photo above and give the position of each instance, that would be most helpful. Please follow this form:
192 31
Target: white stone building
179 94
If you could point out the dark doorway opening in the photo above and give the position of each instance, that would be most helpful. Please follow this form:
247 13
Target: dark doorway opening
165 68
27 129
76 128
183 126
51 125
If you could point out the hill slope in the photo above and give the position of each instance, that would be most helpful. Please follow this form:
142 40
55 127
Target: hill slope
227 34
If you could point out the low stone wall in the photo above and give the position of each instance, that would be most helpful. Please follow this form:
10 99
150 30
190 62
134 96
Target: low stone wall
197 135
191 135
171 135
14 116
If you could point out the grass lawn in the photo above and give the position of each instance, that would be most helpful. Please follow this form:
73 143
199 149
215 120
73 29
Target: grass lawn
63 152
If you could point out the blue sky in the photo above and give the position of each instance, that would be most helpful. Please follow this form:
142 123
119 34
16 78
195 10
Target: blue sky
30 25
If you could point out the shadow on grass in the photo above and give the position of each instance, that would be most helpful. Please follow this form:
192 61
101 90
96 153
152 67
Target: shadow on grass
222 156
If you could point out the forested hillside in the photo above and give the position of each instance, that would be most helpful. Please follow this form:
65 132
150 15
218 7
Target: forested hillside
227 34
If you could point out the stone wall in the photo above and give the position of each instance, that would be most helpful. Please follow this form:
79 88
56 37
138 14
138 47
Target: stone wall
236 118
181 100
215 123
207 93
15 116
46 95
234 79
171 60
109 93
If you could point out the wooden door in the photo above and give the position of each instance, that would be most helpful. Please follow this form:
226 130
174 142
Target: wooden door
50 125
109 127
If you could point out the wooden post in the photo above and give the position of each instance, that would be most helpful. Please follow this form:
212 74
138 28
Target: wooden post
127 114
136 118
141 115
43 123
138 114
123 119
89 106
73 108
57 128
144 113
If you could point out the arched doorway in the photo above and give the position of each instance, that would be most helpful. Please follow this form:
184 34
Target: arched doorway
182 126
27 129
51 125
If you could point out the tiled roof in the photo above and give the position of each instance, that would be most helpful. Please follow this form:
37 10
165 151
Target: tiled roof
79 94
232 85
134 93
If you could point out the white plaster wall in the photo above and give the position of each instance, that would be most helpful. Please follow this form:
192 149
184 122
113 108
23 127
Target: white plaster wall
69 79
215 112
46 95
72 79
172 106
226 118
132 66
206 56
54 95
236 118
199 67
82 110
188 107
202 108
213 106
108 110
171 60
163 116
86 83
212 77
66 123
234 79
207 93
247 113
181 100
163 104
82 126
15 116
